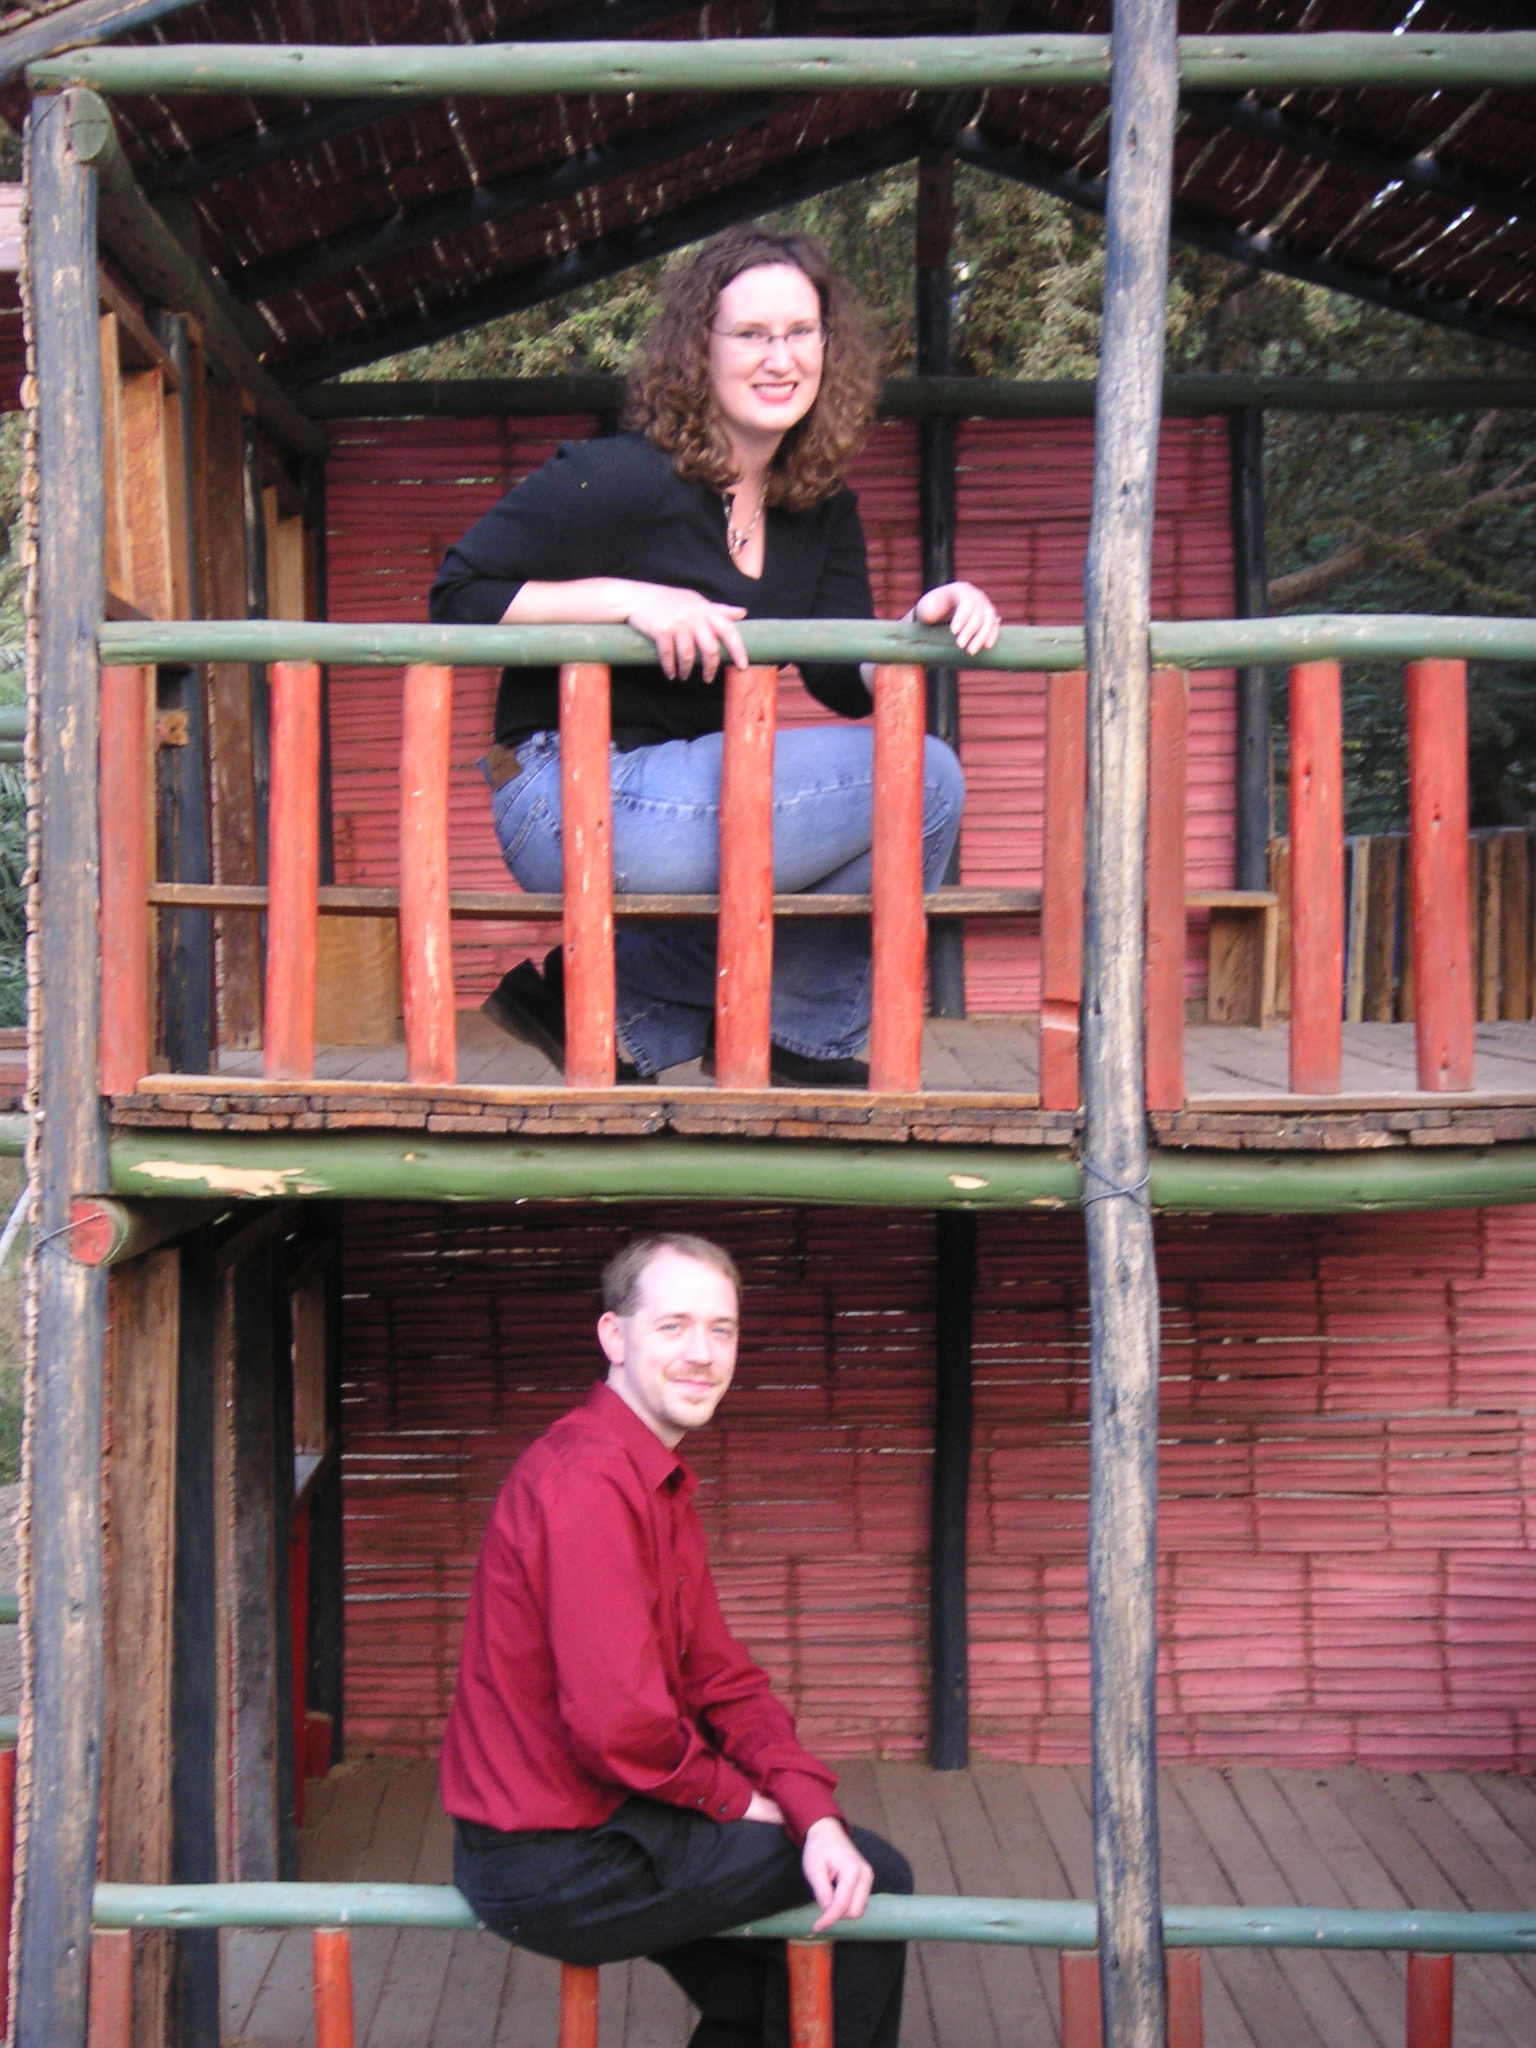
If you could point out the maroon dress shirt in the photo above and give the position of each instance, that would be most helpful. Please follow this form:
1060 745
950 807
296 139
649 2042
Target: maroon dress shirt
596 1662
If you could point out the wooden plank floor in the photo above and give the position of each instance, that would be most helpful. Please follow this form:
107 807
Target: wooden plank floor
1244 1836
997 1055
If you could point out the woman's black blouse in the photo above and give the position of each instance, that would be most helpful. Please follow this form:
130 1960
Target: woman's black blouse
616 507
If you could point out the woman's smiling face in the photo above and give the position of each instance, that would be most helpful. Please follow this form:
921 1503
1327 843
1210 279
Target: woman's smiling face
765 351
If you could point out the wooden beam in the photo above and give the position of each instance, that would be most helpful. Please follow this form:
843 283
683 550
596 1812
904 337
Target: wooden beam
513 906
586 811
948 1635
1122 1266
85 21
744 974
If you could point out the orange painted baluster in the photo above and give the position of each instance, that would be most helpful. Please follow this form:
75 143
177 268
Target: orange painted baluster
127 866
293 871
900 929
1167 774
333 1988
426 949
586 840
1431 2000
1186 2008
1443 1012
1317 878
810 1985
110 2024
578 2006
1082 2014
744 953
1061 893
7 1880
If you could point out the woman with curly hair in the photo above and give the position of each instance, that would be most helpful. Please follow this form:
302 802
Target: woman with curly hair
723 501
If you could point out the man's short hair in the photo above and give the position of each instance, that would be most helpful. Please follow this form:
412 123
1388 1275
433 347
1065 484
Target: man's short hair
623 1272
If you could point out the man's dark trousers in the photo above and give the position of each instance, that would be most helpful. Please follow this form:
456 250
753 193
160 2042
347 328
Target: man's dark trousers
660 1881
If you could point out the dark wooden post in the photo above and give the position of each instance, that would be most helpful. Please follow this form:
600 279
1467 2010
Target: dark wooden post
256 608
1122 1270
936 513
1250 600
325 1680
62 1574
949 1719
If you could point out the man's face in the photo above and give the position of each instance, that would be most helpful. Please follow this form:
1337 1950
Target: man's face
673 1358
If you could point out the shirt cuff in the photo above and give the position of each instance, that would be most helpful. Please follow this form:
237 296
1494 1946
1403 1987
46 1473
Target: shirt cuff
481 601
804 1801
727 1798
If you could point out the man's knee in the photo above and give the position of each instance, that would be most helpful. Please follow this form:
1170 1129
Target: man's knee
943 780
893 1873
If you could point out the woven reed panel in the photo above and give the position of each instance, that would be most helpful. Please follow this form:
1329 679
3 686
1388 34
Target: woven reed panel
398 494
1349 1447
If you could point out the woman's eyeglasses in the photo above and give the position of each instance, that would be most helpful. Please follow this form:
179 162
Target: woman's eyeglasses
757 342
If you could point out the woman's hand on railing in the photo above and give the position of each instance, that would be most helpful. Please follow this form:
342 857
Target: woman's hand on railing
973 617
685 627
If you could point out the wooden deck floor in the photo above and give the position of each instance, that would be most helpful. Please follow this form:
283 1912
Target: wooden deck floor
1245 1836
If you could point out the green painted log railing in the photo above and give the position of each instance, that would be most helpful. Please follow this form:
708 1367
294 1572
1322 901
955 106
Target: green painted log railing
1030 1923
14 1125
787 64
13 721
1182 643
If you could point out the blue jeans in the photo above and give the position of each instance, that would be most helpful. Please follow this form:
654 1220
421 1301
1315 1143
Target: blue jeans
666 841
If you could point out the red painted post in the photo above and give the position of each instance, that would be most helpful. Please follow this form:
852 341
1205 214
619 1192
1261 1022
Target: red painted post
7 1881
810 1984
110 2024
578 2006
1186 2013
1431 2000
1317 878
293 871
744 950
899 927
1061 892
586 839
426 949
1082 2012
1167 773
333 1988
1443 999
127 841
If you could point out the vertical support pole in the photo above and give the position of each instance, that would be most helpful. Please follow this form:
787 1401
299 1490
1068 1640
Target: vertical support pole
949 1712
578 2006
293 868
61 1560
896 885
257 605
1186 2003
744 949
1122 1268
1431 2000
333 1988
1061 894
810 1994
1443 1014
127 825
1167 778
1250 600
936 516
426 946
111 2007
1317 878
7 1880
586 842
1082 2009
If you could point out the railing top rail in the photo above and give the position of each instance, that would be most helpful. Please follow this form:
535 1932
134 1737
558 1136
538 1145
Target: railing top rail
1040 1923
788 64
1183 643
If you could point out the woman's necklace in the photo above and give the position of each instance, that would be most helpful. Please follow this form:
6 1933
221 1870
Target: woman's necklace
736 538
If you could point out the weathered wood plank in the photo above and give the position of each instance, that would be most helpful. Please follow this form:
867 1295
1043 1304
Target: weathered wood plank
1515 926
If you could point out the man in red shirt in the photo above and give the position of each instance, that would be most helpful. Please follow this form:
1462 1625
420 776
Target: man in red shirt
624 1782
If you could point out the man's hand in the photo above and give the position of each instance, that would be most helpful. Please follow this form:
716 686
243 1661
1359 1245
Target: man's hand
836 1873
764 1808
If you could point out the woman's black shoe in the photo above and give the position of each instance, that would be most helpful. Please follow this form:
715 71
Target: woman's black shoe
788 1069
530 1006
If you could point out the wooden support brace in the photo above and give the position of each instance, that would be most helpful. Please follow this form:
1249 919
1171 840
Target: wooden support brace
898 927
1317 879
1431 2000
744 953
1438 872
586 842
127 827
111 2007
293 866
578 2006
426 948
333 1988
1061 895
1167 776
810 1987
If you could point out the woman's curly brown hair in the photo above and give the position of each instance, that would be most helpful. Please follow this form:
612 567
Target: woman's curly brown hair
671 398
